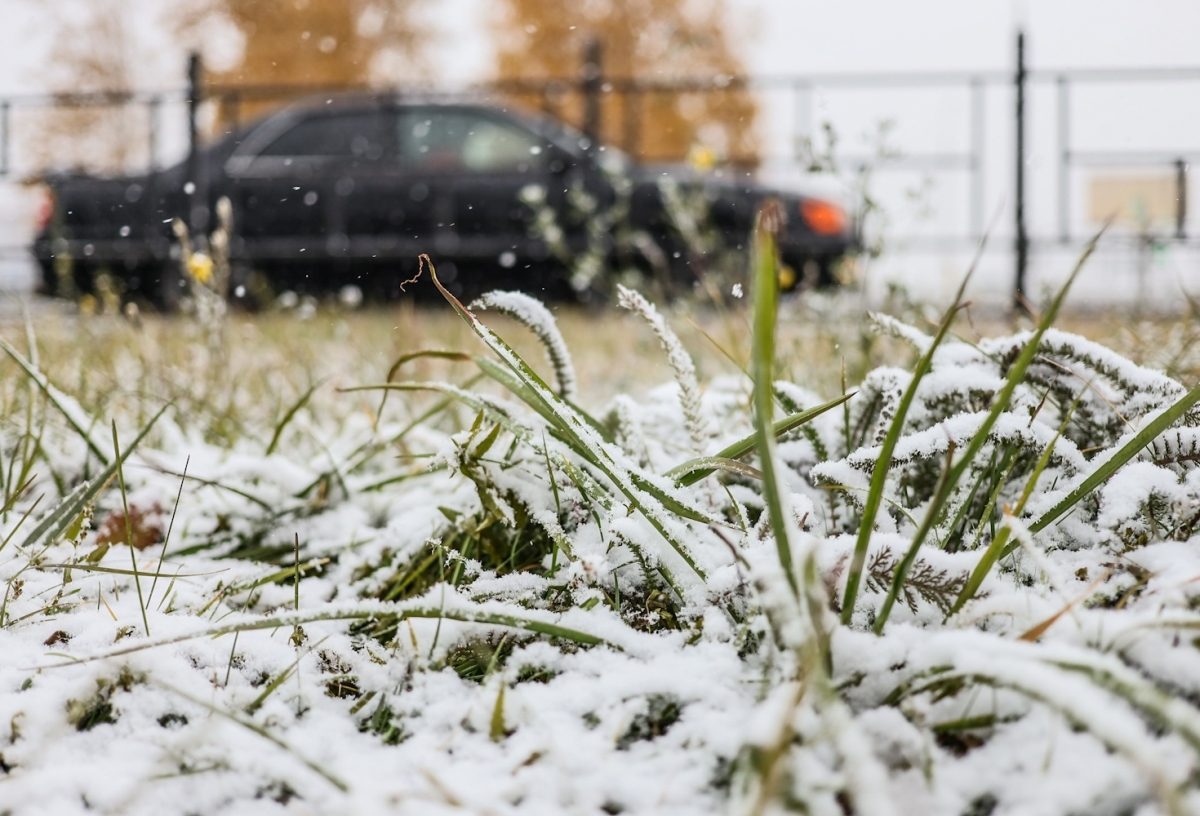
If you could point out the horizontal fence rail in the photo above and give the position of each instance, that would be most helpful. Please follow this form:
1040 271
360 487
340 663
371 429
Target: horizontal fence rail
586 94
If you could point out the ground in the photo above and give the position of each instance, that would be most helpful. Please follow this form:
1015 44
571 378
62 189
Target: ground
494 595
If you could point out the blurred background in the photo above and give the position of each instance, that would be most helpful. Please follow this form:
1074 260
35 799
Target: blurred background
906 112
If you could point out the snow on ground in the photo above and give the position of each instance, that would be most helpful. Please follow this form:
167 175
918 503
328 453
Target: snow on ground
533 621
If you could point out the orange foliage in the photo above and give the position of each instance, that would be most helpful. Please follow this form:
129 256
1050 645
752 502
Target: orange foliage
93 46
640 39
311 42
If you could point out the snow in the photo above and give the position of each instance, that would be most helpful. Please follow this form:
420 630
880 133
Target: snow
667 704
886 324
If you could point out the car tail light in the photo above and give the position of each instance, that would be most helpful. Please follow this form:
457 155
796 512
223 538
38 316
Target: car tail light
823 217
45 209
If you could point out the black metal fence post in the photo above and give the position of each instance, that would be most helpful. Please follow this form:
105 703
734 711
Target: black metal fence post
1022 238
153 116
592 85
193 103
194 98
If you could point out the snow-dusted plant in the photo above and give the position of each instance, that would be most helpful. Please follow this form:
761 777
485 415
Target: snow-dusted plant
594 238
206 275
965 588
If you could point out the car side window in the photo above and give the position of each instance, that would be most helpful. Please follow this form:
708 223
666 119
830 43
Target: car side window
449 141
361 136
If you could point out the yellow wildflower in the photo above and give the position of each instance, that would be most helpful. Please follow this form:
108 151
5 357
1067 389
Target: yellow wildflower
200 267
702 158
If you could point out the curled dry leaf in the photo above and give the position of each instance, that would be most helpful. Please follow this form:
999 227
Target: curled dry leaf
145 526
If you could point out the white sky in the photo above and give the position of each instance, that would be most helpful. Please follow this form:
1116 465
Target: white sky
803 35
797 36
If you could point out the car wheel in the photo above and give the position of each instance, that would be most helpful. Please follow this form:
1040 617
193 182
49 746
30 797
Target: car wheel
172 288
248 289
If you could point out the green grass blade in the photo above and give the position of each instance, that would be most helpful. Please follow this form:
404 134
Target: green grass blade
280 679
902 569
58 519
497 731
1123 454
276 577
119 571
491 412
1000 546
507 379
689 472
21 521
66 511
362 612
250 497
291 413
668 501
436 354
275 683
1000 476
162 558
15 496
1148 703
137 578
578 432
765 269
738 364
1000 404
1015 375
497 415
368 450
59 401
955 538
884 462
705 465
895 505
1017 372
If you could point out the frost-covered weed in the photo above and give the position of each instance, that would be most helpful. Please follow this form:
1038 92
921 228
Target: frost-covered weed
598 243
525 613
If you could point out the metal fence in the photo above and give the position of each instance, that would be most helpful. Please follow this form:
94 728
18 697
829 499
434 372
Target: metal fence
977 161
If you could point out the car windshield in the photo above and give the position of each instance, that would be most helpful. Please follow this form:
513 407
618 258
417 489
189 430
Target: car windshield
436 140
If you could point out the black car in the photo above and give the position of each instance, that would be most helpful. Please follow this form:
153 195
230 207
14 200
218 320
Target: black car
352 190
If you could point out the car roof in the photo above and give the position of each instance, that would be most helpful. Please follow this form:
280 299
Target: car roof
544 125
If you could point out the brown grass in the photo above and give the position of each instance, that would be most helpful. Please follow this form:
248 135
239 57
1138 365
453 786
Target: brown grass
115 367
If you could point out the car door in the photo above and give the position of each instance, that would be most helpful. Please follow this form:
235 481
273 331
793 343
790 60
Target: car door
290 180
385 210
472 165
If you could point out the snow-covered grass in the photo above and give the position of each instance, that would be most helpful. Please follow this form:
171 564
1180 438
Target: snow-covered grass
494 592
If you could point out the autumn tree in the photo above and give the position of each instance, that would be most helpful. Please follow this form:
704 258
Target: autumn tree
97 46
310 42
93 49
640 40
